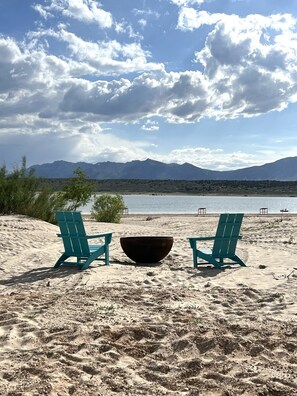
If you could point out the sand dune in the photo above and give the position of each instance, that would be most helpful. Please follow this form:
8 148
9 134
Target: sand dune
165 329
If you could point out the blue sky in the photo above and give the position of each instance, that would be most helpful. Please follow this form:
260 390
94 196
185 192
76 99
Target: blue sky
209 82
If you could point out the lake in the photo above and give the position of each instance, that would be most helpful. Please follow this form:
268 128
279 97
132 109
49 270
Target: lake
189 204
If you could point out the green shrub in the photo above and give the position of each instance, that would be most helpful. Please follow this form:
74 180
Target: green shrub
108 208
17 189
20 193
77 192
45 205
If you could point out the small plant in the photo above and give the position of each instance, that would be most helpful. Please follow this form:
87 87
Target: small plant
108 208
104 310
196 321
31 314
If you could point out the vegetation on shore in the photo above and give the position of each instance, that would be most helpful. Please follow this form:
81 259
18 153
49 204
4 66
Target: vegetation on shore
22 193
197 187
108 208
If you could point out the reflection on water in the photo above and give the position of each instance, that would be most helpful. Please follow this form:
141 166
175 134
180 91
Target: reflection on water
179 204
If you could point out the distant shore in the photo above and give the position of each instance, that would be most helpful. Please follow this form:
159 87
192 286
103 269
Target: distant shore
187 187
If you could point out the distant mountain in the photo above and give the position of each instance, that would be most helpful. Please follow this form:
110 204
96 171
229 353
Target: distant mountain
282 170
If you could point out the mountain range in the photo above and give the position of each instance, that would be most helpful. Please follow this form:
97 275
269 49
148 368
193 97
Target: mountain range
283 170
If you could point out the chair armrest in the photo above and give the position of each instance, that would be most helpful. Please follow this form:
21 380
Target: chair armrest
103 234
90 236
106 235
202 238
193 241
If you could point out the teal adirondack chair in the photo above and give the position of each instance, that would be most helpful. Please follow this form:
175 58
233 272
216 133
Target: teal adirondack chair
76 243
224 245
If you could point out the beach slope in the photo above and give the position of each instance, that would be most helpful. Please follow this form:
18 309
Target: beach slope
164 329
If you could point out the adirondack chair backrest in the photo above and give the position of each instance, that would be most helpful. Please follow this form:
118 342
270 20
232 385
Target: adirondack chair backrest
227 235
73 234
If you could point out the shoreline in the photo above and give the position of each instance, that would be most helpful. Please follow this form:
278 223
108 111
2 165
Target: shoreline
191 205
127 215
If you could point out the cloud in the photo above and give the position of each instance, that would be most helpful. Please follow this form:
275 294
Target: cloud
84 138
98 146
86 11
104 57
249 69
146 13
123 27
109 57
185 3
33 82
142 22
150 126
251 64
162 94
191 19
216 159
41 10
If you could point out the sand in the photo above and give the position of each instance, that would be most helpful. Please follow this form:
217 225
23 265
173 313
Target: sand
164 329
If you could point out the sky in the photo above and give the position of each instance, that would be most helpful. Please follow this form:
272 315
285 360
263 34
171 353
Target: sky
208 82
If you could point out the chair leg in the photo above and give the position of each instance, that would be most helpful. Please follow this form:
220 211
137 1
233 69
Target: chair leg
215 263
239 261
107 255
61 260
87 263
195 258
209 259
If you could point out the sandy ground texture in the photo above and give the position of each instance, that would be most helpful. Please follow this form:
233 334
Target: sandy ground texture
164 329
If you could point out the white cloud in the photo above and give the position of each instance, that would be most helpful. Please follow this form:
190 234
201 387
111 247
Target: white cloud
190 19
86 11
9 51
214 159
150 126
242 77
175 96
125 28
250 68
148 13
142 22
185 3
41 10
103 57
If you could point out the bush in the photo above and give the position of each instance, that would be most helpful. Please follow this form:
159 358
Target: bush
77 192
108 208
20 193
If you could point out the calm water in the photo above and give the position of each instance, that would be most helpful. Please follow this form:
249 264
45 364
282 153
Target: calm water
180 204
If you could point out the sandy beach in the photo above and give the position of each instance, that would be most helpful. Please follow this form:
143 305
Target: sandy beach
163 329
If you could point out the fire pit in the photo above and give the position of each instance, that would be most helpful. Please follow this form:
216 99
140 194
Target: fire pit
146 249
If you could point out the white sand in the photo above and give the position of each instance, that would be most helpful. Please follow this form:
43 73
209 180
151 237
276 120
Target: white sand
166 329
